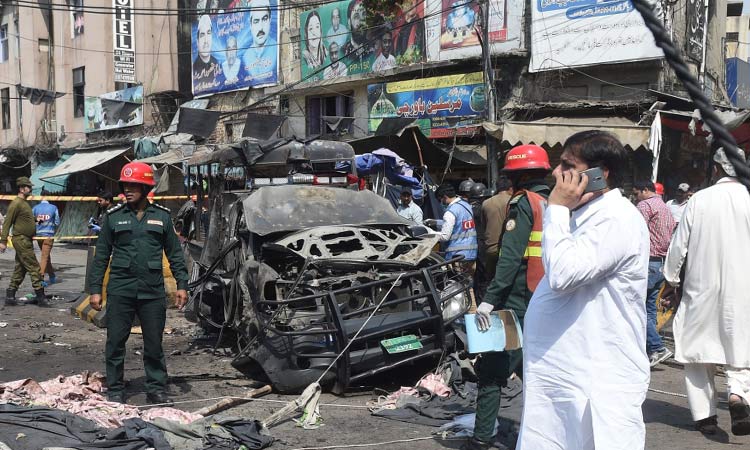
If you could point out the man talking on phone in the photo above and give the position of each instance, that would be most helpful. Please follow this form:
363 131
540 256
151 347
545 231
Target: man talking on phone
136 234
518 270
586 372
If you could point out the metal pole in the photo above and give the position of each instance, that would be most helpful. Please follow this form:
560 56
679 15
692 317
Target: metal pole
489 82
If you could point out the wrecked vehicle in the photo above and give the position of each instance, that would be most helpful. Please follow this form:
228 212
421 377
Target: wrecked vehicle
295 263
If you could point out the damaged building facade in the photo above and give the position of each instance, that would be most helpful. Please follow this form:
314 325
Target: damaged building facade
343 69
86 80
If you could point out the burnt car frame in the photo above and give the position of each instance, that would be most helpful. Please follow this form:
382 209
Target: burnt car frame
293 269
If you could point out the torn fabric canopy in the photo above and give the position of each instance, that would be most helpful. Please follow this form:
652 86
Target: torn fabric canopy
84 160
118 111
262 126
38 96
198 122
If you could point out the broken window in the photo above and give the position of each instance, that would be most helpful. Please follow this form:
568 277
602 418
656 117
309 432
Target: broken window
5 98
76 17
330 115
79 97
4 43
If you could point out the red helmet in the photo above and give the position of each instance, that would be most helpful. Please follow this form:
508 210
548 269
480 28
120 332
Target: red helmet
526 157
659 188
137 172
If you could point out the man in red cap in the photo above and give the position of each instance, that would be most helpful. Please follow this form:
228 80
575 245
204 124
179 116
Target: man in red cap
519 269
136 234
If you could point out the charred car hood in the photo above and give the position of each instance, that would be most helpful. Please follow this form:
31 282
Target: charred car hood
274 209
349 243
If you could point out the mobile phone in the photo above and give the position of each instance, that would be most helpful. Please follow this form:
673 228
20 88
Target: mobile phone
596 180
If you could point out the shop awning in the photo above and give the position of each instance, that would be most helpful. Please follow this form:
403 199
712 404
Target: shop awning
52 185
84 160
551 131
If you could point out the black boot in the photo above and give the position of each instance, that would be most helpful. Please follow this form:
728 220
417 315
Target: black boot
10 297
41 299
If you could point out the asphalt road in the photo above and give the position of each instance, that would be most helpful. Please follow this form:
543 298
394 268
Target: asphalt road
72 345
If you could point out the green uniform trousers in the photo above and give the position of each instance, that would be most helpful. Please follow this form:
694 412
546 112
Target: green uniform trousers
152 314
493 372
25 262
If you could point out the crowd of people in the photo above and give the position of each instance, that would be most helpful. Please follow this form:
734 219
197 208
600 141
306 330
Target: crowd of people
581 265
583 270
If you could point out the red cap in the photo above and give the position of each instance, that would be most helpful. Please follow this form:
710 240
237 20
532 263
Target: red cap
659 188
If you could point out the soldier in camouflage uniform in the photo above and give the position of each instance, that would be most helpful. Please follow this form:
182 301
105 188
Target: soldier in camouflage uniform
21 219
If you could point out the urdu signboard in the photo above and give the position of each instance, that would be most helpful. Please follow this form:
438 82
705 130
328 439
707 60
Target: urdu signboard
447 106
571 33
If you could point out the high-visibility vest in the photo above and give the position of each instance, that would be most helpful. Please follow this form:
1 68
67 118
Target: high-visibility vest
463 240
533 253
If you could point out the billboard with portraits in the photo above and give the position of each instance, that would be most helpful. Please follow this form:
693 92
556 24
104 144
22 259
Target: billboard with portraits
234 45
352 37
454 28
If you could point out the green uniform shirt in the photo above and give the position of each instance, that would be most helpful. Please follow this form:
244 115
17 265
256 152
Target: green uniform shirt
508 289
20 218
136 248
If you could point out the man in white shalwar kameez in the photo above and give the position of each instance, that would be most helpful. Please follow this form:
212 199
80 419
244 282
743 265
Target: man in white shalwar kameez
585 366
712 323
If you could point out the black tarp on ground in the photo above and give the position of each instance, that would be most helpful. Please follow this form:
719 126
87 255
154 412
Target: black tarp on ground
34 428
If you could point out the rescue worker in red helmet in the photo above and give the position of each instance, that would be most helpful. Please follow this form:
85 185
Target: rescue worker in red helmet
135 234
519 270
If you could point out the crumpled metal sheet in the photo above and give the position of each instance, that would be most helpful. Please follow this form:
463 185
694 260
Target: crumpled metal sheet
359 243
296 207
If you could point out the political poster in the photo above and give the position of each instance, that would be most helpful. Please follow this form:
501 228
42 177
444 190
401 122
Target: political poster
446 106
235 45
346 38
572 33
113 110
454 28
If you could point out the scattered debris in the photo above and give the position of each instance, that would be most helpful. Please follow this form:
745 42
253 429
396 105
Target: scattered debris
3 324
62 344
42 338
233 401
82 395
55 324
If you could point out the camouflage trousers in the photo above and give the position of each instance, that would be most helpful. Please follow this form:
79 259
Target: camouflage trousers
25 262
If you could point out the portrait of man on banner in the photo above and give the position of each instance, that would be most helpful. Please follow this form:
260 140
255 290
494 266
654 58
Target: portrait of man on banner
235 47
261 57
206 68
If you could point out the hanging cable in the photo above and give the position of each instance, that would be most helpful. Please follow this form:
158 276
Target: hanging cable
721 136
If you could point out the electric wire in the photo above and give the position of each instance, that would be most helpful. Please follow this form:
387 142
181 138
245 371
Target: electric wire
721 136
158 12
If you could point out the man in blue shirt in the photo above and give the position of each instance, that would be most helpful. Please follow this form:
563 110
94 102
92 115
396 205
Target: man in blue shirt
407 208
47 220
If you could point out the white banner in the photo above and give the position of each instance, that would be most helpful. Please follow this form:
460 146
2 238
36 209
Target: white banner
124 41
570 33
452 27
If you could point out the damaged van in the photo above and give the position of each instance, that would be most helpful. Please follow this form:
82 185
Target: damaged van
299 264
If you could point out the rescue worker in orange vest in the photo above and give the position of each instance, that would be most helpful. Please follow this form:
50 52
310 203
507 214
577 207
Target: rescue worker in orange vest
519 270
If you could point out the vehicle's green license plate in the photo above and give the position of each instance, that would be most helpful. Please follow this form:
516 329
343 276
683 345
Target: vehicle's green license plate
401 344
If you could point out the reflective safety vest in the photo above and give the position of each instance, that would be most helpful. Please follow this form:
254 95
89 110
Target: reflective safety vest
533 253
463 239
